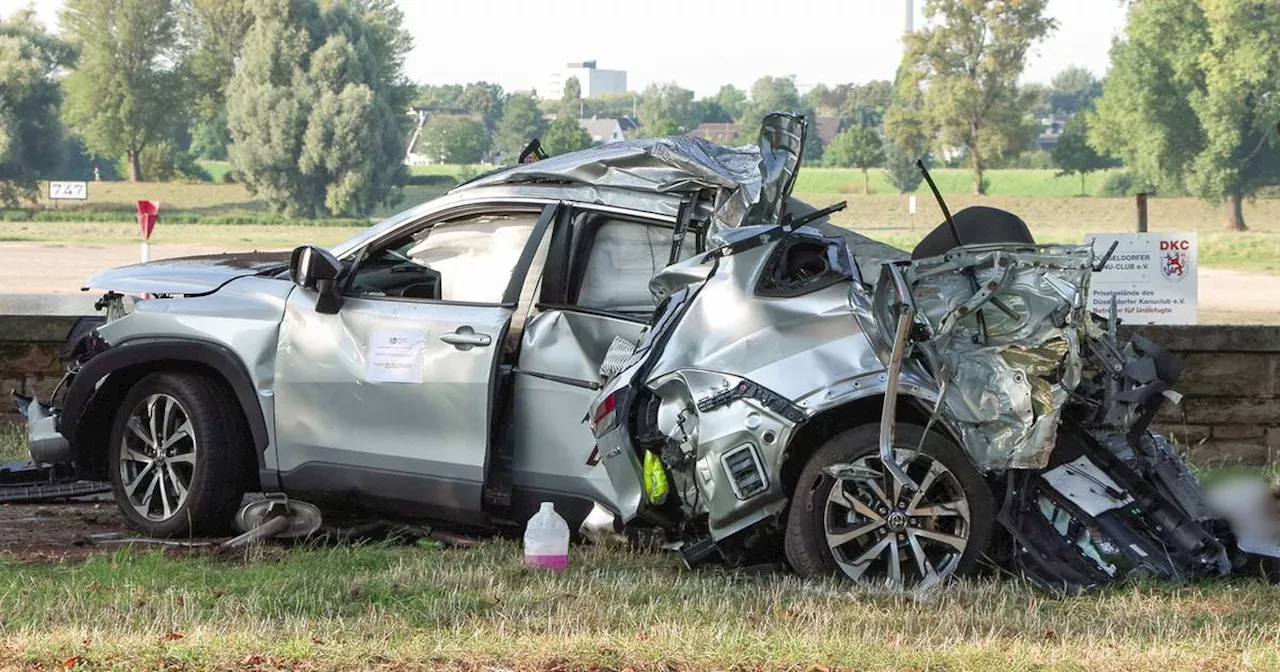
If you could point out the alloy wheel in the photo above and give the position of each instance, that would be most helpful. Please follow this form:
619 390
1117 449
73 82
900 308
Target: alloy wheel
158 457
881 534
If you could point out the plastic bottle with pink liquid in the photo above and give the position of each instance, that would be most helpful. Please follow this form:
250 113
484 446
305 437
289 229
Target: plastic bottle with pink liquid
546 540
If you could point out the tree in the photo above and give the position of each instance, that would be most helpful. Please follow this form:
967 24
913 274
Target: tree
857 147
484 99
819 99
732 101
454 139
127 92
905 122
437 95
213 31
865 104
900 168
668 108
1190 98
1073 90
572 91
1039 99
316 106
30 133
521 122
1073 153
970 56
771 94
623 104
565 135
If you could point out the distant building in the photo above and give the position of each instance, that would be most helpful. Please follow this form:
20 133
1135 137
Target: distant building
1053 126
719 133
827 129
593 80
603 131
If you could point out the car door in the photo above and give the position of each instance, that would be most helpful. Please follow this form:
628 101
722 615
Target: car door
595 289
388 402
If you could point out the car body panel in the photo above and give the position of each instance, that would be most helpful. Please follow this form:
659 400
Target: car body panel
186 275
557 378
795 346
243 317
329 411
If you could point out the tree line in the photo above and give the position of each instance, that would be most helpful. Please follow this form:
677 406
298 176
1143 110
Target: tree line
308 100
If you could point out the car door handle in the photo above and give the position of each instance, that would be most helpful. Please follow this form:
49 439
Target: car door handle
466 338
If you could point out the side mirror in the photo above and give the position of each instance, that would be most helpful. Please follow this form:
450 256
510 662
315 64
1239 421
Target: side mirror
315 268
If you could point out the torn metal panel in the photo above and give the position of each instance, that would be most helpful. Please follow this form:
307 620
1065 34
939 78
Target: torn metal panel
1006 379
747 184
729 439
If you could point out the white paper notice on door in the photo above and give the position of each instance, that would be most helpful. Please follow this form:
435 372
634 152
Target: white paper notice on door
395 356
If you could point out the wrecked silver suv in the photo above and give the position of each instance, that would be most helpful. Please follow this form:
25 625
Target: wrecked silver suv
655 327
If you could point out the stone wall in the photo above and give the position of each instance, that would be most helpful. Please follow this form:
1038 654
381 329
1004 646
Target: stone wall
1230 412
30 356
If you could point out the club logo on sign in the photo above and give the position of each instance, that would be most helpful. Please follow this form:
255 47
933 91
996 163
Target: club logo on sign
1173 259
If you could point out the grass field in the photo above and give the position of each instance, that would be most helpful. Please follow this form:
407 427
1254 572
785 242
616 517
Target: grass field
13 442
410 607
406 607
959 181
883 217
204 198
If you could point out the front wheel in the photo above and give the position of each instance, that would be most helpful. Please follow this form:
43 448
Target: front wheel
176 455
850 517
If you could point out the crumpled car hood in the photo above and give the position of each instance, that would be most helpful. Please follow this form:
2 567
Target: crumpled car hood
186 275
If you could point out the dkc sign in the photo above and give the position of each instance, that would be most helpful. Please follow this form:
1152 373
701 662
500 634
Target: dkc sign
1151 277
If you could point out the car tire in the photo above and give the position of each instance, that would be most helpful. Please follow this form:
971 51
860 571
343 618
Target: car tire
192 479
822 524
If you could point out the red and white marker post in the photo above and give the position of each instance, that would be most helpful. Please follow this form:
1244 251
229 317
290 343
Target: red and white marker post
148 215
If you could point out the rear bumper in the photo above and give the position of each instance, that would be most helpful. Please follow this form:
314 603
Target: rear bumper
46 444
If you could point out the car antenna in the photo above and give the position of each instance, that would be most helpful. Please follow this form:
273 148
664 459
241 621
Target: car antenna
946 212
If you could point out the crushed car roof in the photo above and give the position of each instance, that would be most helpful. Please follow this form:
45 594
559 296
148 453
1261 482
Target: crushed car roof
748 184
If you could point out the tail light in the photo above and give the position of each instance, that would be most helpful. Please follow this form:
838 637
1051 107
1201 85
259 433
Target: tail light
604 418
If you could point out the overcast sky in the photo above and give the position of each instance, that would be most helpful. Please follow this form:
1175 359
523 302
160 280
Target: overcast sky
698 44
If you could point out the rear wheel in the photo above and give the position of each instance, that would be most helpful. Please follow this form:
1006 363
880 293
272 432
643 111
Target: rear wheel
176 458
850 517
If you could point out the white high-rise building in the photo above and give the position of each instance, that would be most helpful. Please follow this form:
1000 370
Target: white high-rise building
593 80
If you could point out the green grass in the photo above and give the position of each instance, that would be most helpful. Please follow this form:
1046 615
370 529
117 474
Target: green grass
216 169
399 607
203 203
882 216
1011 182
1063 220
450 169
13 442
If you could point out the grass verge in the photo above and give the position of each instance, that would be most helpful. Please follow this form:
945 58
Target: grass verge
193 203
400 607
13 441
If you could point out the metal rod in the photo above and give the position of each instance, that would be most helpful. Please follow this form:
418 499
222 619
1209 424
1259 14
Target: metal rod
946 212
889 410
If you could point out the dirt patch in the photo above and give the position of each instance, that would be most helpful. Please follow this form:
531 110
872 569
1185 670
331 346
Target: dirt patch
57 531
